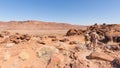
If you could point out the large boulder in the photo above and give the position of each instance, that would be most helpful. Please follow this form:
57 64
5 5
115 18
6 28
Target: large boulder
71 32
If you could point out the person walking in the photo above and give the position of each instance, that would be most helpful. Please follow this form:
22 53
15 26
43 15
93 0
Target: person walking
87 40
94 39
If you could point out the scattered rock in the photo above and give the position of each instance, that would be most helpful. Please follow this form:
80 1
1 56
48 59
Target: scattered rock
41 42
74 42
64 40
51 36
17 38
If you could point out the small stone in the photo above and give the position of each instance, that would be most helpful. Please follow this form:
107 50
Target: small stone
41 42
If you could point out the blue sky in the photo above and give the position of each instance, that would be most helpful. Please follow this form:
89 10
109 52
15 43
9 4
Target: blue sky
82 12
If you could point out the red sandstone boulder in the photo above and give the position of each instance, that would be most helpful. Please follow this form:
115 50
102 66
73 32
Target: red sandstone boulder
71 32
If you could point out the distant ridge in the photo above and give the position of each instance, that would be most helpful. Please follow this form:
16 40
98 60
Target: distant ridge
36 25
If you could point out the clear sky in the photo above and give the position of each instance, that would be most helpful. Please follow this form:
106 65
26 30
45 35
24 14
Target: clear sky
80 12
